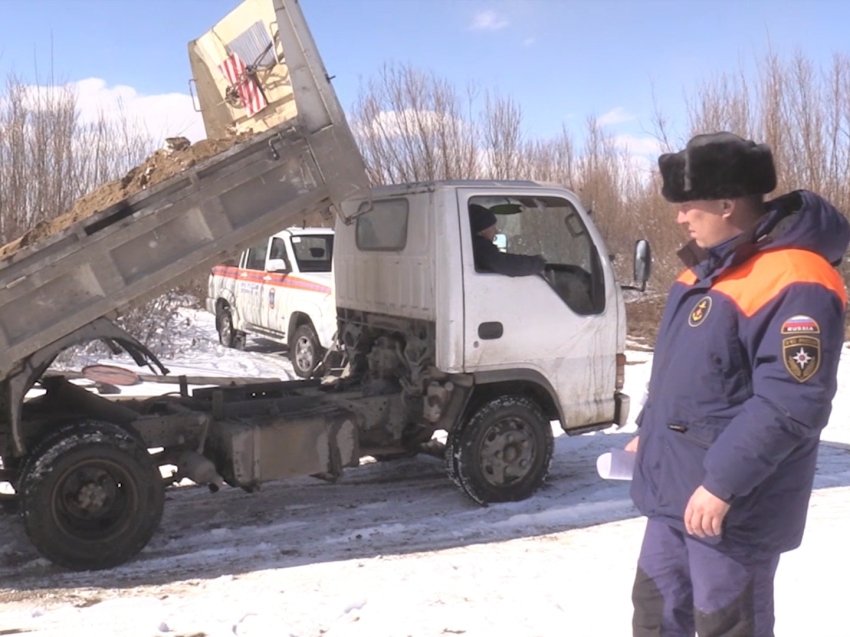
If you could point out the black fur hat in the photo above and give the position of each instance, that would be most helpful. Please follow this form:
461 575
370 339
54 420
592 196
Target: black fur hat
717 166
480 217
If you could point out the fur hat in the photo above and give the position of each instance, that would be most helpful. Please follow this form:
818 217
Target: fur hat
480 218
717 166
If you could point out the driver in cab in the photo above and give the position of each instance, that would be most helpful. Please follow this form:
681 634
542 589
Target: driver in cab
487 255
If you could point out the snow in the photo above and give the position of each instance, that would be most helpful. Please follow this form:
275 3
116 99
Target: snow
394 549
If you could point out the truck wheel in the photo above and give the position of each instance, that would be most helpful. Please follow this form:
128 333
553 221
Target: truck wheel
91 496
502 453
305 351
228 336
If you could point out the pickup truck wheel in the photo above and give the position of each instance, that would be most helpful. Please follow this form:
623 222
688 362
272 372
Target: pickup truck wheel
91 496
228 336
502 453
305 351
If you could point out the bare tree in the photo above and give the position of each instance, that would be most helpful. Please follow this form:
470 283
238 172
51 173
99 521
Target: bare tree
502 143
413 126
49 157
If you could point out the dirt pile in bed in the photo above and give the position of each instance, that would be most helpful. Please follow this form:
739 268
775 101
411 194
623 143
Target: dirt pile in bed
164 163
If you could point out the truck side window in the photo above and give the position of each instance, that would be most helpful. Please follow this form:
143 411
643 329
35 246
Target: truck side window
553 228
384 227
257 257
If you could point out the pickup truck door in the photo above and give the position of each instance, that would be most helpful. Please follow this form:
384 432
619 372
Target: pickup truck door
249 288
562 325
275 294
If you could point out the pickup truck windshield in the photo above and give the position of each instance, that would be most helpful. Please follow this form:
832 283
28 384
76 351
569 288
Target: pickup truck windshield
313 252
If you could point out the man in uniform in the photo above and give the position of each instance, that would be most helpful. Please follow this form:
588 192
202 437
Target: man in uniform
743 376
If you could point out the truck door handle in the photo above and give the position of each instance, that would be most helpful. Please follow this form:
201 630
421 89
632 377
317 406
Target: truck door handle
490 330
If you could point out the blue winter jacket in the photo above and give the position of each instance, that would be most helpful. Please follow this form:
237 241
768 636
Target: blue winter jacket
743 376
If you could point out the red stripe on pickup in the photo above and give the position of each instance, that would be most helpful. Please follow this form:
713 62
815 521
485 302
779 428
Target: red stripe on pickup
275 279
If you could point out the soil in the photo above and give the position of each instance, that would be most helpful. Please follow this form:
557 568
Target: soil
643 316
161 165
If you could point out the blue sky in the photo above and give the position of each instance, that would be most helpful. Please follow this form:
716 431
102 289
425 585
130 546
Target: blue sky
562 60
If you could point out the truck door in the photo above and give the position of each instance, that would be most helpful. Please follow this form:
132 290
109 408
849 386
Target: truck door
250 286
275 291
561 325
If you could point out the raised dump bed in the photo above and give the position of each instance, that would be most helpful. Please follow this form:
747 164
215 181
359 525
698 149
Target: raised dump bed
144 245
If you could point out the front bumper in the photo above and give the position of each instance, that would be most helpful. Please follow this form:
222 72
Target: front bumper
622 402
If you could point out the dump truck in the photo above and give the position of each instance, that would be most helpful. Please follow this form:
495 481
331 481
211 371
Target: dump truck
426 341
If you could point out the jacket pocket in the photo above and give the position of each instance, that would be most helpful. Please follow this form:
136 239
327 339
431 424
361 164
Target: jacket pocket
700 433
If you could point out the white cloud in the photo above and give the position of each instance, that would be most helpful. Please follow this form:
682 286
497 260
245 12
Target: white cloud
163 115
529 41
638 145
159 116
641 153
616 115
408 122
488 21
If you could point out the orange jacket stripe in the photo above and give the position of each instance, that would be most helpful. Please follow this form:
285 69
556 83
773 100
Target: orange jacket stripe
687 277
761 279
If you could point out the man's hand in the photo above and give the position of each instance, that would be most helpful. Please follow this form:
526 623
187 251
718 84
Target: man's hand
705 513
633 444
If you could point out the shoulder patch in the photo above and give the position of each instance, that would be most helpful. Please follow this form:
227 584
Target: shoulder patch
700 312
802 356
800 324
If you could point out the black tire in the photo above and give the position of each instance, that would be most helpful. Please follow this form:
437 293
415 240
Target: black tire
9 504
503 452
305 351
91 496
227 335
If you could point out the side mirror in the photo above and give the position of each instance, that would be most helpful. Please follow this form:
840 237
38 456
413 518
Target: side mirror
276 265
501 242
643 263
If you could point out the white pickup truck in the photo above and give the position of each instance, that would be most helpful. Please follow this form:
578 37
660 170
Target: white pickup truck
282 289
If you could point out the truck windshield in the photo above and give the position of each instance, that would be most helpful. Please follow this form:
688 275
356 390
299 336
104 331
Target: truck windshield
313 252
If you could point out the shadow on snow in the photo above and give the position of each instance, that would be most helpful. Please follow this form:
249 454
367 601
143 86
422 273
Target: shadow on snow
379 509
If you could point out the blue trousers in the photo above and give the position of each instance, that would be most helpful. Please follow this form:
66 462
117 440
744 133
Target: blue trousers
684 586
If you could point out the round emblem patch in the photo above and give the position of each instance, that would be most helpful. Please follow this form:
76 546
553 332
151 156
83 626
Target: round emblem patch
700 311
801 346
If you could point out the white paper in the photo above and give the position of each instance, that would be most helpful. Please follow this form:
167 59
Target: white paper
617 464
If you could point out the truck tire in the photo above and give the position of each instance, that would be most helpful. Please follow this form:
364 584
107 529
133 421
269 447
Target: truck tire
91 496
503 452
305 351
227 335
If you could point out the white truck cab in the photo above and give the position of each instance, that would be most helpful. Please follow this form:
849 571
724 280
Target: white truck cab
281 289
490 358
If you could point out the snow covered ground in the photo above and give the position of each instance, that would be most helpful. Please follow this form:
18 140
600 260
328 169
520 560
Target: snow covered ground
394 549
